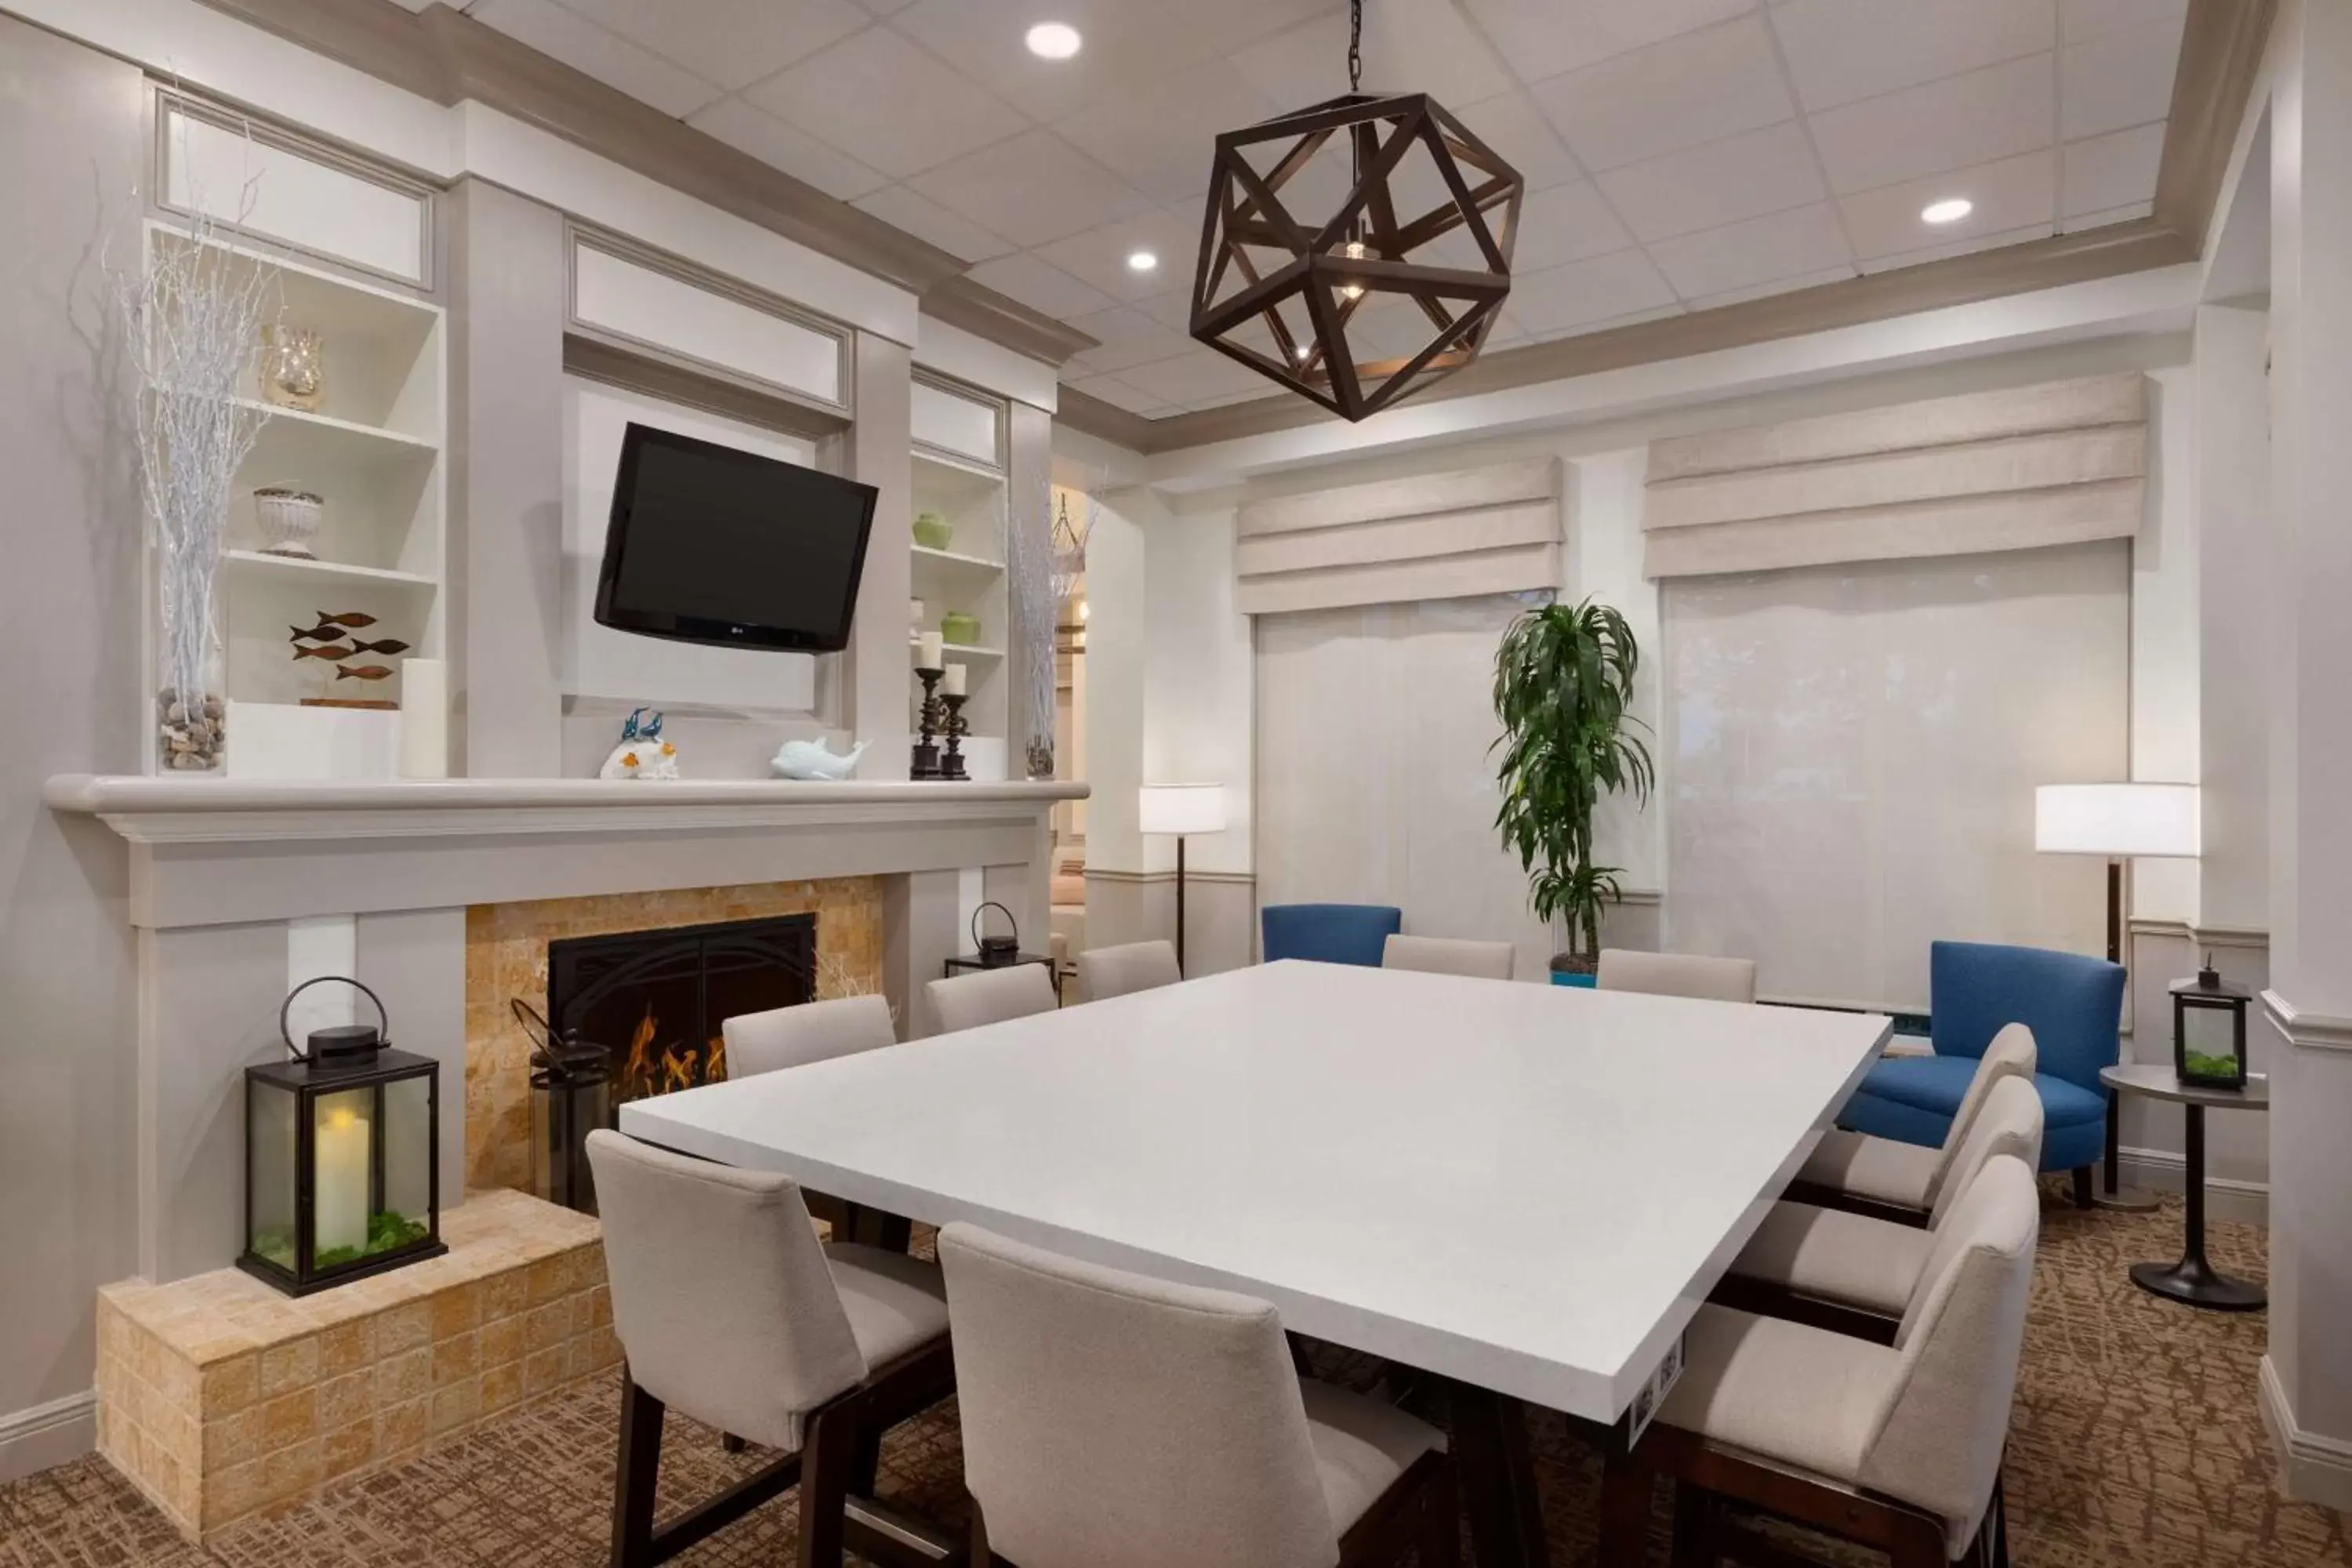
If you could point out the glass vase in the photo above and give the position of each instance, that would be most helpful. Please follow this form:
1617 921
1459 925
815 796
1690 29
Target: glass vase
191 737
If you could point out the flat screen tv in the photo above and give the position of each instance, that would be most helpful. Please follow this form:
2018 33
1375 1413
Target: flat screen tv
711 545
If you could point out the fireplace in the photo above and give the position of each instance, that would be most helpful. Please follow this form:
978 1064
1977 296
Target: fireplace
655 1000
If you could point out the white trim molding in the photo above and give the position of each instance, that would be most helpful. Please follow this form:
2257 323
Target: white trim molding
2312 1468
2306 1031
46 1435
2248 937
2166 1171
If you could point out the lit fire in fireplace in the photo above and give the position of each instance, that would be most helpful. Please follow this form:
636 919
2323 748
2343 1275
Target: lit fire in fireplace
653 1067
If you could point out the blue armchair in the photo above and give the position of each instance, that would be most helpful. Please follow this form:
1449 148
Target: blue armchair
2073 1004
1329 933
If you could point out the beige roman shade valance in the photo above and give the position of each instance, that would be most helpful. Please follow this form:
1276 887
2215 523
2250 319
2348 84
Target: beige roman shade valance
1433 536
2056 464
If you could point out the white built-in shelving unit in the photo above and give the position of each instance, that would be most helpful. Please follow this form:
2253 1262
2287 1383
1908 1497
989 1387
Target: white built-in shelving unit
959 472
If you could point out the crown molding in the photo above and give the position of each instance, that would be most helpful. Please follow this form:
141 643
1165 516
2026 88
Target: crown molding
448 56
983 311
1105 421
2306 1031
2220 57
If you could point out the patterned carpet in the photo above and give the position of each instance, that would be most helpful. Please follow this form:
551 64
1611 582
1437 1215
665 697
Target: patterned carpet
2136 1442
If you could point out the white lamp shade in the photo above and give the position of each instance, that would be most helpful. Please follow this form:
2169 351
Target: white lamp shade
1180 808
2116 820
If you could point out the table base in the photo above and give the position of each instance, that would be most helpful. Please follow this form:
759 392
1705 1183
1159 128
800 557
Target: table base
2126 1200
2194 1280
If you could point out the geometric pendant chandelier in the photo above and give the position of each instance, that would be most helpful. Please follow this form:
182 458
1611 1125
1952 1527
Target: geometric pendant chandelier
1359 250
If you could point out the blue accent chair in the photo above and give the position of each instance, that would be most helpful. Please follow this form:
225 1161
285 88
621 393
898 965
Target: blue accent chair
1329 933
2073 1004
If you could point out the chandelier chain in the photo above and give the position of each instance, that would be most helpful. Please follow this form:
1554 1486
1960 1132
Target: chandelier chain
1355 45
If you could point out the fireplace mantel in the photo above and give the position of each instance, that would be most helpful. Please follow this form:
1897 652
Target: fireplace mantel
301 848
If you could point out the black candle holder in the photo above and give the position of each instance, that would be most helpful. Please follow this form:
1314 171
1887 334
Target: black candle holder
925 764
956 727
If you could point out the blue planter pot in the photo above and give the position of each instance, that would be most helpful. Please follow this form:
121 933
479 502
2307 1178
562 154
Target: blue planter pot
1565 977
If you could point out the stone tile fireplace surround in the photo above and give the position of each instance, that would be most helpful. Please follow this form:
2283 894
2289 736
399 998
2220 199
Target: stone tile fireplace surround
443 896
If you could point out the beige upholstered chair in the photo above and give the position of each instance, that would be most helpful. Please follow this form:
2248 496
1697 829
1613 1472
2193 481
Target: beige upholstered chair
1448 955
1853 1273
991 995
812 1032
1677 974
730 1311
1900 1181
1897 1446
1108 972
1110 1418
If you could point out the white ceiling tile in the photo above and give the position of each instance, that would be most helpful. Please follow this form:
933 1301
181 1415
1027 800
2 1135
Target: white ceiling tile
2119 79
731 42
1126 337
1566 223
1973 119
1700 87
1841 50
1412 48
1755 250
598 52
1705 187
1777 285
1200 374
1099 255
1301 65
1033 189
1162 138
1172 310
887 103
1118 394
1959 248
1518 132
2111 171
928 221
2008 194
787 147
1544 38
2112 215
1040 286
2080 19
1582 292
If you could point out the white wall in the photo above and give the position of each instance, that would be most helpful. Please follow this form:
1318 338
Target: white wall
1197 681
2166 688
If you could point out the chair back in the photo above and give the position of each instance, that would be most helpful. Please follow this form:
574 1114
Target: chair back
1938 1438
2073 1004
1108 1417
2012 1054
812 1032
991 995
1328 933
1677 974
1449 955
2010 1123
1108 972
721 1297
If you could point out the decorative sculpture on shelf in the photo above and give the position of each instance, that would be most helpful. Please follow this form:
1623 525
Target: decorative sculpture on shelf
814 760
642 754
293 369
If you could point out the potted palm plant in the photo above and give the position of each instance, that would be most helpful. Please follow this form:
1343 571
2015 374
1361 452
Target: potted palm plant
1563 680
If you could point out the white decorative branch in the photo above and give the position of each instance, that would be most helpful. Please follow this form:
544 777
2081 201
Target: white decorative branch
1029 563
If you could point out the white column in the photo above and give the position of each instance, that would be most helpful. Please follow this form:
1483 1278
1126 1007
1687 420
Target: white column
2307 1375
2233 571
878 682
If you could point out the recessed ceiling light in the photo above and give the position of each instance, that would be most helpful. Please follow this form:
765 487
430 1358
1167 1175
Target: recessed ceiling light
1053 40
1141 261
1952 210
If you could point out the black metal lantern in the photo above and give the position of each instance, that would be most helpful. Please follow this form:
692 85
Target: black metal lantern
2209 1030
1358 250
996 952
340 1178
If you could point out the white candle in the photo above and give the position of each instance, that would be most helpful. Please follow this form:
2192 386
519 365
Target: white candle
341 1167
952 685
929 651
424 718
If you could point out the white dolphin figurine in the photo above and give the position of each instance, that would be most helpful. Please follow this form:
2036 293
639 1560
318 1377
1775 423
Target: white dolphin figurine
812 760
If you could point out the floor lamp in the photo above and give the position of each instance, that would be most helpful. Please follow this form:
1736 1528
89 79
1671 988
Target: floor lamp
1178 811
2118 822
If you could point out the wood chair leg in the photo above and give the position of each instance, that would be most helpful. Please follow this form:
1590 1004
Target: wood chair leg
637 1464
1625 1488
865 1460
1440 1546
1695 1543
828 1451
1917 1542
2082 1186
731 1443
978 1536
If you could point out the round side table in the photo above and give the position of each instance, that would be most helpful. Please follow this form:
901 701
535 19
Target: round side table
2192 1280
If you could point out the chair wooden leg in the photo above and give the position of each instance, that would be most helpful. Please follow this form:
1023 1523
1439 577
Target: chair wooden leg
866 1460
1694 1516
1440 1546
731 1443
1625 1488
1997 1524
2082 1186
637 1466
980 1556
828 1450
1917 1542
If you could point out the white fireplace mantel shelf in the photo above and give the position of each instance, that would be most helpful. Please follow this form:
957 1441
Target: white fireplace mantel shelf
218 851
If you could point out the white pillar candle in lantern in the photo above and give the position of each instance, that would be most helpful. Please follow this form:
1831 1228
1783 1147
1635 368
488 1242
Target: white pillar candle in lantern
929 651
340 1156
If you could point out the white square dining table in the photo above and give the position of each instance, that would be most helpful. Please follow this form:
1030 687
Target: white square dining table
1524 1190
